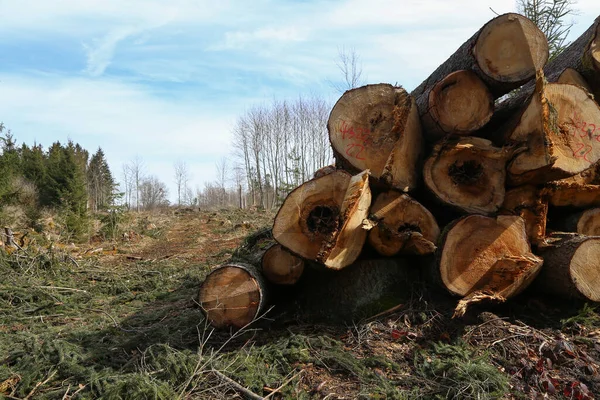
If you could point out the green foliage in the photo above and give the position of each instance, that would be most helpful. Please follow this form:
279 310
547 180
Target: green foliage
457 372
112 221
549 16
587 317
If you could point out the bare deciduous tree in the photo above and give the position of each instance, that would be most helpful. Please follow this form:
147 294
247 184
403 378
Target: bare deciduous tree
182 177
348 62
153 193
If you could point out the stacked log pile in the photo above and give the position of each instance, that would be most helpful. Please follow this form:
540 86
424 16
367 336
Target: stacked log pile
513 181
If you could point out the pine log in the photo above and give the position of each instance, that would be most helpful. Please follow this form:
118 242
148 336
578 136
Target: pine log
321 220
584 222
467 173
233 295
364 289
486 258
583 55
571 267
459 104
280 266
403 226
504 53
558 129
528 203
376 127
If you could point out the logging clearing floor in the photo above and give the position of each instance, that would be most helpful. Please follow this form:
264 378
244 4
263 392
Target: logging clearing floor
119 320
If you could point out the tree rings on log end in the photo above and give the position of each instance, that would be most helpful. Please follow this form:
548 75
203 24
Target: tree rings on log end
480 253
585 270
511 48
230 296
468 173
377 127
460 103
589 223
403 226
321 220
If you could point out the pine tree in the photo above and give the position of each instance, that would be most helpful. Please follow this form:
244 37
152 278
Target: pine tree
100 182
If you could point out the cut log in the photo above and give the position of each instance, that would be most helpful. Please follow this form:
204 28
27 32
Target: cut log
572 77
403 226
559 129
233 295
528 203
486 258
458 104
583 55
321 220
376 127
571 266
467 173
585 223
281 267
564 193
364 289
505 53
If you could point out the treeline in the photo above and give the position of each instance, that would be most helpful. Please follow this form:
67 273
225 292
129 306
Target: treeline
277 147
64 177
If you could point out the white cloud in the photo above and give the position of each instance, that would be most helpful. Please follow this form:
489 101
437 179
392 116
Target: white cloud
124 119
260 37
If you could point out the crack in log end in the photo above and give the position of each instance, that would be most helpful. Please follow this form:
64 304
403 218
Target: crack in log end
323 220
402 108
466 173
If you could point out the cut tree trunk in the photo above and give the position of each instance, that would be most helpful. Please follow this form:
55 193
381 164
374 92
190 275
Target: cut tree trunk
504 53
564 193
402 226
486 258
585 223
364 289
376 127
571 266
559 130
527 203
583 55
233 295
458 104
467 173
321 220
572 77
280 266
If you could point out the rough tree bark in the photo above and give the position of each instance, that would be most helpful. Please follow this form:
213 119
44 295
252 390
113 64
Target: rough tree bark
401 225
376 127
504 53
486 258
467 173
364 289
571 266
583 55
321 220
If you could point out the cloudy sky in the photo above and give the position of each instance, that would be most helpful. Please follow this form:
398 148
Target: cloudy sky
165 80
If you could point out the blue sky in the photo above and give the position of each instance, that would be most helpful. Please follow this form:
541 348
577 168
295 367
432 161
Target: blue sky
166 80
